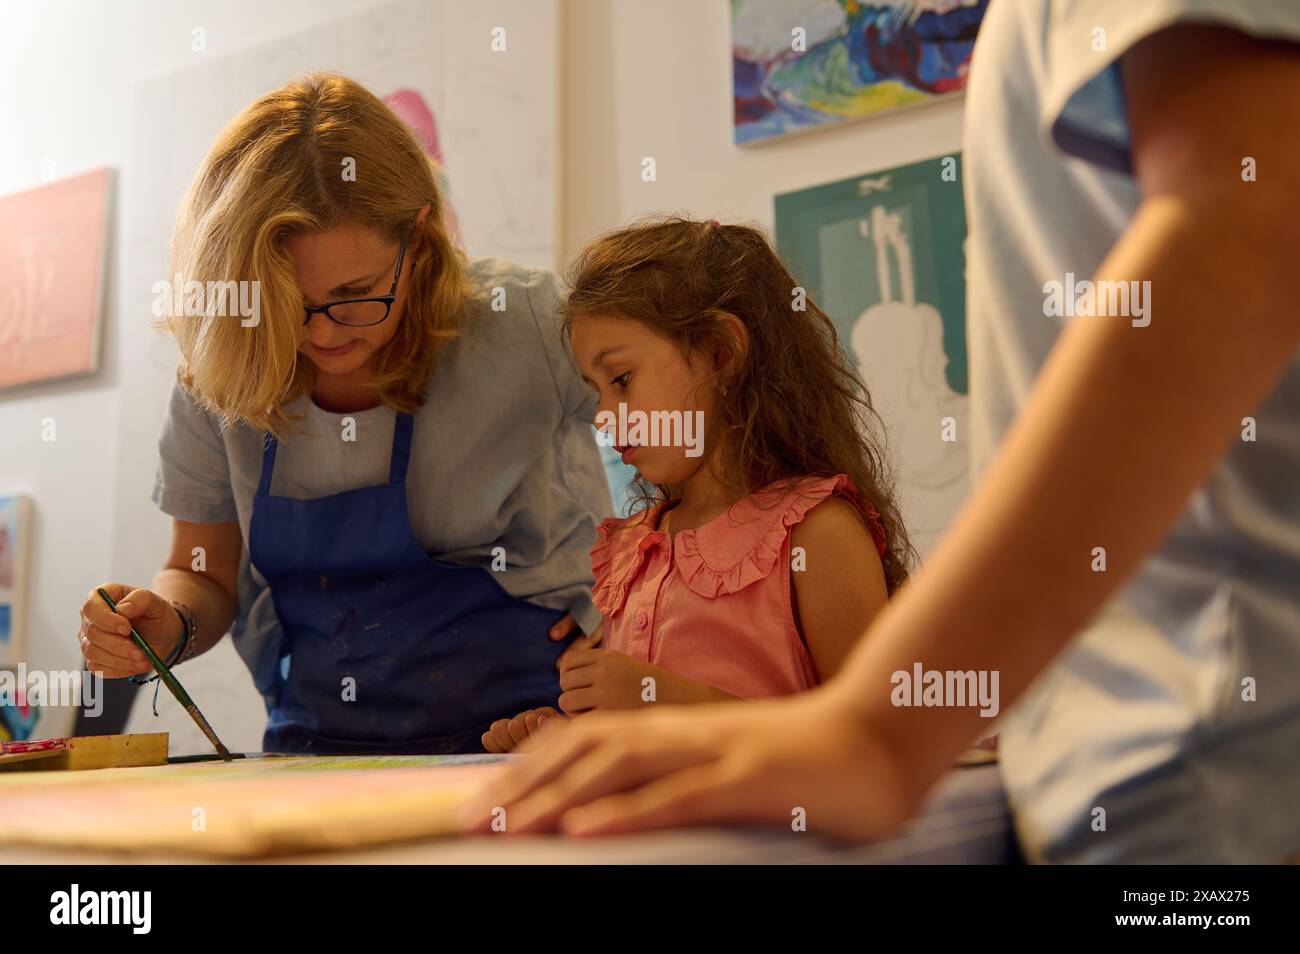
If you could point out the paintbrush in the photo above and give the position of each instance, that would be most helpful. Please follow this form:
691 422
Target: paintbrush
172 683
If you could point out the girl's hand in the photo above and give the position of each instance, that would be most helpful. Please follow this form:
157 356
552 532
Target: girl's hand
774 761
105 635
595 678
505 734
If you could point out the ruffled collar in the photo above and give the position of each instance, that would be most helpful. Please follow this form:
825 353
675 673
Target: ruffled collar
725 555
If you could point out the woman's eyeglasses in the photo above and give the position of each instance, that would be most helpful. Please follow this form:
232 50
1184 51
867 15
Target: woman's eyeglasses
360 312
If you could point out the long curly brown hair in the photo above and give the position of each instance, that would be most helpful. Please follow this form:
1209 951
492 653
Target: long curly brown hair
793 406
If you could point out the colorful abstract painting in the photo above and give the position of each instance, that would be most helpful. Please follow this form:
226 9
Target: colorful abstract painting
884 255
53 246
800 64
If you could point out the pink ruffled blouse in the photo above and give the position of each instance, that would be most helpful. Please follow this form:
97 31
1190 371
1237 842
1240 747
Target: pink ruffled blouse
713 603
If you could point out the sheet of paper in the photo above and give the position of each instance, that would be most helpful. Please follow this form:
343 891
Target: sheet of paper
245 808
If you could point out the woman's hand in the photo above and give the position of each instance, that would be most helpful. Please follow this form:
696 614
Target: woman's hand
505 735
105 635
565 625
804 757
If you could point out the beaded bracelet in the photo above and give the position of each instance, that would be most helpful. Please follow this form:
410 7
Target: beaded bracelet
191 631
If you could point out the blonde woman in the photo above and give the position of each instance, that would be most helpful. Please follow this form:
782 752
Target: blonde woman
389 471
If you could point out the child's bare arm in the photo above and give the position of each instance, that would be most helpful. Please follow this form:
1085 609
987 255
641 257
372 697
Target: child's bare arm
842 587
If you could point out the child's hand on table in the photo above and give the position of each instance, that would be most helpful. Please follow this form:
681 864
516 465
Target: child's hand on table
505 735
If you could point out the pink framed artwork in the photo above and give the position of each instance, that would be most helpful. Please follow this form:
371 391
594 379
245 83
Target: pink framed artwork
53 256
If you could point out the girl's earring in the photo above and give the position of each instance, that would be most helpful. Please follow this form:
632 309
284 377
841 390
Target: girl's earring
724 389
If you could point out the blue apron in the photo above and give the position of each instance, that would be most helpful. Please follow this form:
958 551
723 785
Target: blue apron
436 651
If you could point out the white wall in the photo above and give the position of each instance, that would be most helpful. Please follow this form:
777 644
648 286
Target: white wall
641 79
67 70
654 79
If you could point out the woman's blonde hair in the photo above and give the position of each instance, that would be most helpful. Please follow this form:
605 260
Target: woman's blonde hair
279 168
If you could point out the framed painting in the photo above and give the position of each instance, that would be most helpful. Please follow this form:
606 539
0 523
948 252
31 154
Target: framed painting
15 532
883 254
800 65
53 251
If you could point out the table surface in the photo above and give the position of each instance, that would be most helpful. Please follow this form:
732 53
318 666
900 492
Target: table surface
965 821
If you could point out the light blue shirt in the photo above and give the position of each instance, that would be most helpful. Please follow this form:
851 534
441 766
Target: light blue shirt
1144 716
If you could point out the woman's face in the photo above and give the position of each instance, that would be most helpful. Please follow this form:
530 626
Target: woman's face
349 261
628 363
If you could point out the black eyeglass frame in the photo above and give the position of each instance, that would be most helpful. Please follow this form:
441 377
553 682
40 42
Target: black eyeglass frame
386 299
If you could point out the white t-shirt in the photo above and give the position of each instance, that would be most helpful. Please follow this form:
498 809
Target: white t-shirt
1144 716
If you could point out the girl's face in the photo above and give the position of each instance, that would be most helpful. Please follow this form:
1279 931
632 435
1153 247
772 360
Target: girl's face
627 363
349 261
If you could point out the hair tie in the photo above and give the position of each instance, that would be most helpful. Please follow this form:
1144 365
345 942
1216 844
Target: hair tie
715 224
